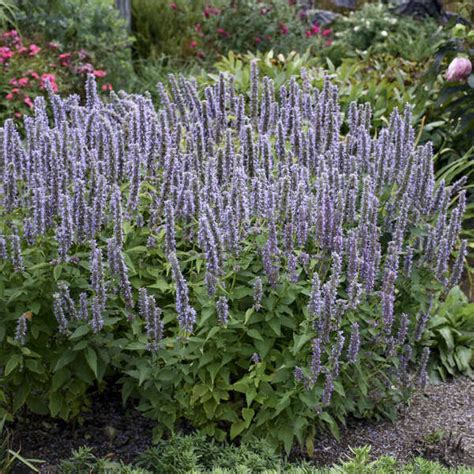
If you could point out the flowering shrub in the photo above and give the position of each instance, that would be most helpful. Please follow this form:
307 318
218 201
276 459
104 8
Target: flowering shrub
92 25
27 69
207 30
260 269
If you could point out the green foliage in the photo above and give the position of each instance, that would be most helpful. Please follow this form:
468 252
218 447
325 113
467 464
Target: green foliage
450 334
196 455
201 32
83 460
91 25
374 30
455 100
8 12
163 31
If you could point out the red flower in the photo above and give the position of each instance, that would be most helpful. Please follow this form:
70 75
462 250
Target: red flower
315 29
99 73
308 34
258 40
27 100
283 28
34 49
193 44
326 32
209 10
223 32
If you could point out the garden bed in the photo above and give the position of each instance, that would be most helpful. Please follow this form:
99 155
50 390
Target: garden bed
438 424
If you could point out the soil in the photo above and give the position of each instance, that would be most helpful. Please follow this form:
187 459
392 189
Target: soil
438 424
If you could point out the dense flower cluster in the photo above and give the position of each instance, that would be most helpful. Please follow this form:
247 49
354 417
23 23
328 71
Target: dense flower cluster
28 70
353 214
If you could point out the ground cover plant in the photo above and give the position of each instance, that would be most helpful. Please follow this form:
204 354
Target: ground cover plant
263 267
195 454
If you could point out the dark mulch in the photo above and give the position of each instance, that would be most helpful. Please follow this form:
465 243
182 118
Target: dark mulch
111 430
438 424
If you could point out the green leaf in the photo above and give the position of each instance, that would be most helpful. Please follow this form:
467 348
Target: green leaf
91 358
237 428
65 359
247 415
80 331
57 272
13 362
55 403
253 333
299 341
448 337
60 378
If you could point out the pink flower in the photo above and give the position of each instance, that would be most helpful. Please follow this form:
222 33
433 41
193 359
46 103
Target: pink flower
99 73
5 54
308 34
173 6
9 96
34 49
328 42
13 82
34 75
198 28
315 29
258 40
107 87
18 115
459 69
27 100
51 78
326 32
85 69
22 50
193 44
209 11
23 81
223 32
283 28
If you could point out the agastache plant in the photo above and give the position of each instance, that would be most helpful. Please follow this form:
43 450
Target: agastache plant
214 193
